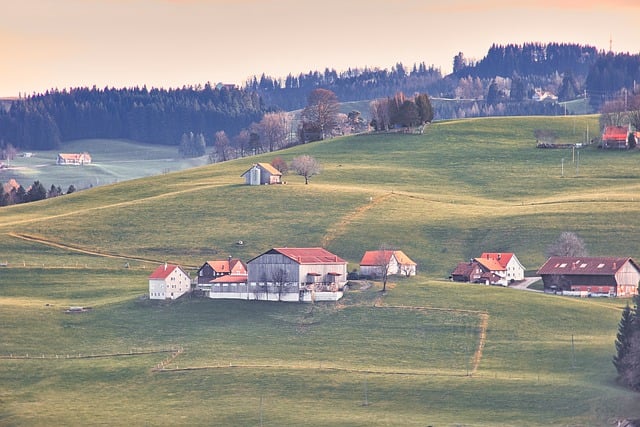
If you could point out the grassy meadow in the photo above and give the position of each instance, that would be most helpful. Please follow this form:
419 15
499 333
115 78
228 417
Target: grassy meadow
113 160
428 352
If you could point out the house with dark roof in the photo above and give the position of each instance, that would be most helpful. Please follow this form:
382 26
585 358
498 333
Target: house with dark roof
168 281
396 262
591 276
262 174
470 271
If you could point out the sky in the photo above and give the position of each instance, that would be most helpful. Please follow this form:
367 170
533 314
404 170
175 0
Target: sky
58 44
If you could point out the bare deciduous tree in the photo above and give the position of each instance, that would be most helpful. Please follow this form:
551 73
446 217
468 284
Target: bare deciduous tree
305 166
222 146
274 128
321 111
383 261
568 244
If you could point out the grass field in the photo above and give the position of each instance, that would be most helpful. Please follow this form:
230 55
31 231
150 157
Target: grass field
428 352
114 161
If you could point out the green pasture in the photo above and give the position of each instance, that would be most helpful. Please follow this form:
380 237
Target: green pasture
461 188
407 361
113 161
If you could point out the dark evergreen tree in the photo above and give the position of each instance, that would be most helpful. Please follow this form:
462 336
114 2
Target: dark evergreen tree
627 357
518 90
425 110
569 88
493 95
623 339
36 192
71 189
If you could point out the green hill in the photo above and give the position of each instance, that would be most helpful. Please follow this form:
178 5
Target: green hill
430 352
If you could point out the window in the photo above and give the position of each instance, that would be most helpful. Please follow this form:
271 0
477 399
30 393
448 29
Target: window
563 265
600 265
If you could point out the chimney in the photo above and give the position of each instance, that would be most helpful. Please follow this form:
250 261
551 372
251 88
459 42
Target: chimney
165 266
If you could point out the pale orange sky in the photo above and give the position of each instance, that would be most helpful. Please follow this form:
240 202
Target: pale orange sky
48 44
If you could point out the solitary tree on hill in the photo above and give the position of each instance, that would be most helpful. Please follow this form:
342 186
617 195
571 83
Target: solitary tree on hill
305 166
321 112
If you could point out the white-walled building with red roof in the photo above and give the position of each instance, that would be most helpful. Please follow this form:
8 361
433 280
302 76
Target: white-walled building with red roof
396 262
168 281
513 269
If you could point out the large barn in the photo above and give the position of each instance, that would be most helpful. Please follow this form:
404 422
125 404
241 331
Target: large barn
591 276
297 274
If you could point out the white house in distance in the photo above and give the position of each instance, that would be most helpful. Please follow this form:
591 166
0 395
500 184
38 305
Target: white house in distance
513 269
262 174
73 159
168 282
397 262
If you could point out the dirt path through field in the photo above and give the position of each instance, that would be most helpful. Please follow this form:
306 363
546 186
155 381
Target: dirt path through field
340 227
43 241
484 324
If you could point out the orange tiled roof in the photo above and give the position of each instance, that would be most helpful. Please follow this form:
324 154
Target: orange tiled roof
490 264
503 258
373 258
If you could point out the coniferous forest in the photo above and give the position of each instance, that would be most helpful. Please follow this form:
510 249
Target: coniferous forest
504 82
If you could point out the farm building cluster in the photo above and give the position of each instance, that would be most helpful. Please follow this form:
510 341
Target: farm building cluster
279 274
573 276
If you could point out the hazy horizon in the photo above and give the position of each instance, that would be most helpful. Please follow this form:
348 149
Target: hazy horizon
172 43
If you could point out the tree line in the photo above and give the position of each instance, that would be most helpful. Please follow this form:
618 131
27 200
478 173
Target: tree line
156 116
14 193
502 83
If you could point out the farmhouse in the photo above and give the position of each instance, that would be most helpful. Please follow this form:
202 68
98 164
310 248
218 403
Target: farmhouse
396 262
591 276
261 174
297 274
211 270
467 272
168 282
615 137
73 159
514 270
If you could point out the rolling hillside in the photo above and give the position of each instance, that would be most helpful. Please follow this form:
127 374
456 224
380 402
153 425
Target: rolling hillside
429 352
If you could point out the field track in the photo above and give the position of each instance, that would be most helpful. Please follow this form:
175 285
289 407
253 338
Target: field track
43 241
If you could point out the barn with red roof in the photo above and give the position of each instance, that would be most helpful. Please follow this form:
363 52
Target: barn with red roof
591 276
297 274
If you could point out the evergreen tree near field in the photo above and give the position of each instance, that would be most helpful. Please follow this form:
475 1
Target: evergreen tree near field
627 357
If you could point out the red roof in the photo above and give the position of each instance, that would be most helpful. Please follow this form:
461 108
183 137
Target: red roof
230 278
227 266
163 271
615 133
309 255
375 258
502 258
601 266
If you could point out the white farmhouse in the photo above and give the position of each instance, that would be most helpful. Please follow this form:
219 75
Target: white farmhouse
168 282
513 269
